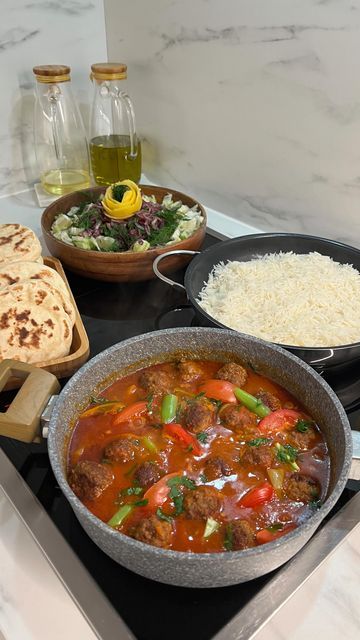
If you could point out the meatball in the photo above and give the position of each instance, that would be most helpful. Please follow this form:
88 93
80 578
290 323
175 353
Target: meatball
153 531
301 488
147 474
189 371
301 440
120 450
216 467
262 455
243 535
199 415
89 479
201 503
238 418
269 400
156 381
234 373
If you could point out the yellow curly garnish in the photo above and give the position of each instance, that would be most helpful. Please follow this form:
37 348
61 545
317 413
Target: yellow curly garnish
130 203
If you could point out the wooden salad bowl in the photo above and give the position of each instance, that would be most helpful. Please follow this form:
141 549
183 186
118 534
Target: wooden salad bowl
117 266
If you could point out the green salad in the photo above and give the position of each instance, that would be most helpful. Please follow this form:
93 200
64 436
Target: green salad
88 227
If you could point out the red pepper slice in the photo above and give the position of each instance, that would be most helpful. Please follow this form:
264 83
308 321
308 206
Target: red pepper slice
132 411
280 420
219 390
258 495
264 535
178 432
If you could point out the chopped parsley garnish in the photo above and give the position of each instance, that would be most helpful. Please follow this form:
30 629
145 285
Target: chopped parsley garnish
303 425
218 403
288 454
199 395
277 526
175 492
118 191
203 478
149 404
202 437
315 504
257 442
141 503
132 491
182 481
228 539
163 516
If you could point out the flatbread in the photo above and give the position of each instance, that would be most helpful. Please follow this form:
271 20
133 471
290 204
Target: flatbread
18 243
34 326
36 290
15 272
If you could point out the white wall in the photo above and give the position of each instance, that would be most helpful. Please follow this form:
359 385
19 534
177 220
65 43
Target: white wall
35 32
251 105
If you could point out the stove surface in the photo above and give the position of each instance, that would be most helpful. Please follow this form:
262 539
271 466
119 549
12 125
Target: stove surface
113 312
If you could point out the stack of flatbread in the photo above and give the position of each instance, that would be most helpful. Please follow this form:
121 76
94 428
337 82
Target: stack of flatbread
36 313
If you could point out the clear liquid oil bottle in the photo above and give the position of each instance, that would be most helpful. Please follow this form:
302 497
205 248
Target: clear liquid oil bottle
115 149
60 141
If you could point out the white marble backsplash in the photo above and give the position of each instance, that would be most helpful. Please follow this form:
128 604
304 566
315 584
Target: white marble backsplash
36 32
252 106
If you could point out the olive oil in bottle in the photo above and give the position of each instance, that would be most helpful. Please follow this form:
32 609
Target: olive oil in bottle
60 142
111 159
115 149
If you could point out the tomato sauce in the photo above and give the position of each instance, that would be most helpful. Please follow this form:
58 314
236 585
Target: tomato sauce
288 468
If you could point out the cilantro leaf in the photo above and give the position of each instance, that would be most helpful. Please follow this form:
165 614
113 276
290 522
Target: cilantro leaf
277 526
303 425
141 503
257 442
202 437
228 539
118 191
288 454
132 491
163 516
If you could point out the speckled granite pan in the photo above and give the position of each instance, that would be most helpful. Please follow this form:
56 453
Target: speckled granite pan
182 568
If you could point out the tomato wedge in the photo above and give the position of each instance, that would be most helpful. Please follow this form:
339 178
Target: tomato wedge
258 495
264 535
132 411
279 420
178 432
219 390
159 492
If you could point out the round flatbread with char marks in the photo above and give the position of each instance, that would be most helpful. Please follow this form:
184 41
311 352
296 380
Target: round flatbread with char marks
34 326
18 243
15 272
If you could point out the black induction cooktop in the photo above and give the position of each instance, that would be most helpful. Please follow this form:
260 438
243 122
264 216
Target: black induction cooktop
113 312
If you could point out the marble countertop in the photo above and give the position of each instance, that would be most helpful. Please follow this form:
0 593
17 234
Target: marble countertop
324 607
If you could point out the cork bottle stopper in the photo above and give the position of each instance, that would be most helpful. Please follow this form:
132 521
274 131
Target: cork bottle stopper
109 70
52 73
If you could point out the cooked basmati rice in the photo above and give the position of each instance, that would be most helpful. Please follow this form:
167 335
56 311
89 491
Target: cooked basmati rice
293 299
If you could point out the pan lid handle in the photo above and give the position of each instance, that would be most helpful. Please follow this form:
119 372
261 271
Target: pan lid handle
161 276
22 418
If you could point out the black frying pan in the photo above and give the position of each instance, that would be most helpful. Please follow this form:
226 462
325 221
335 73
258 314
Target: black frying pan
246 248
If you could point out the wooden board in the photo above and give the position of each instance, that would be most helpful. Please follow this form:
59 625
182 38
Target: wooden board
79 351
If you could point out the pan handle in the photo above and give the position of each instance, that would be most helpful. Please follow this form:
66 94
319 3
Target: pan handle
22 419
161 276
